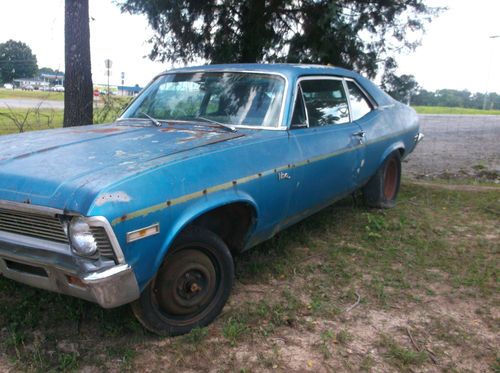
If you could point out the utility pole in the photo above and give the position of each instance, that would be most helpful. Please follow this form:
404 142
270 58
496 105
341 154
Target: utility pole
108 63
123 81
485 101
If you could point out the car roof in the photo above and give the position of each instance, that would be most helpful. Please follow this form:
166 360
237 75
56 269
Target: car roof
294 71
286 69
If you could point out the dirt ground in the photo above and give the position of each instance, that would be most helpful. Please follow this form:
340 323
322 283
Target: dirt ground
410 289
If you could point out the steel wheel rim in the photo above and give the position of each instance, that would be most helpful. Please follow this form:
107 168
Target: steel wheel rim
183 292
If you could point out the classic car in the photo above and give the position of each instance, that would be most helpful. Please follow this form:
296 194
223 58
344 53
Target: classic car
205 163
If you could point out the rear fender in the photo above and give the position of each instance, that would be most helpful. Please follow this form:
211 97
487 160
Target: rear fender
398 145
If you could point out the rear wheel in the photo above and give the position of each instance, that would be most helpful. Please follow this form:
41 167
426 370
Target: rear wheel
190 288
383 188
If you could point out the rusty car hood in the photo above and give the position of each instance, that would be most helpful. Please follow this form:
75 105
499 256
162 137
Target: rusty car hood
47 167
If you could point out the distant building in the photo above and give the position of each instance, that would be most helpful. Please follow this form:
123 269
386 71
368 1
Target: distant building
30 83
44 81
53 79
124 90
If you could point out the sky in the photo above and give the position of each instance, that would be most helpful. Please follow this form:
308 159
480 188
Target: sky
456 52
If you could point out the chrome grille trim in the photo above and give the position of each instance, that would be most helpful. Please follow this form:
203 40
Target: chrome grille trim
47 227
103 243
114 246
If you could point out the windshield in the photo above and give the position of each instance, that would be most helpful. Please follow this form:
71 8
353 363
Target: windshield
230 98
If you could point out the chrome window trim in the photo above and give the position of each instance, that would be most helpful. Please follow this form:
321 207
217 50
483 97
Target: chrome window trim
303 104
280 127
348 96
319 77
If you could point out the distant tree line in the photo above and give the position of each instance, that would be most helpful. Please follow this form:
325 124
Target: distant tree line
456 98
406 89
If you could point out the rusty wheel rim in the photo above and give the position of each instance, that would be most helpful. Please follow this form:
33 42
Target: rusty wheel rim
390 179
185 288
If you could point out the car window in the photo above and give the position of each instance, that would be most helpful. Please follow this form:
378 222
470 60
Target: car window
326 102
249 99
360 105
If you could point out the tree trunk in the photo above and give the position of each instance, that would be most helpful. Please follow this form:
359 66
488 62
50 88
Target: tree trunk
78 98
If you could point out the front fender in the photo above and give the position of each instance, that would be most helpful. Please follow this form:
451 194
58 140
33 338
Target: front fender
197 208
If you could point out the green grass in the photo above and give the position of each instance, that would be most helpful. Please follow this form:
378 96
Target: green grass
453 110
402 357
299 285
40 95
29 120
24 120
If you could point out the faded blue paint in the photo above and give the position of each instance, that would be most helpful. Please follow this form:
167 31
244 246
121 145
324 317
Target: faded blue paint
136 174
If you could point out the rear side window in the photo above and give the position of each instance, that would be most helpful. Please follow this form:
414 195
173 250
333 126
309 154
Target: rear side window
360 105
326 102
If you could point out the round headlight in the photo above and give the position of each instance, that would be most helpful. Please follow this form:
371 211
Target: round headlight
82 239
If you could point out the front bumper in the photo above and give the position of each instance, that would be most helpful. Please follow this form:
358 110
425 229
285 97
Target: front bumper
51 266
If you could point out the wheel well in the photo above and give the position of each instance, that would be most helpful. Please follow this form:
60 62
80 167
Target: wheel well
401 152
231 223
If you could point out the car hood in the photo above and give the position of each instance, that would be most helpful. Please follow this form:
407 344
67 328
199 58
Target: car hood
47 167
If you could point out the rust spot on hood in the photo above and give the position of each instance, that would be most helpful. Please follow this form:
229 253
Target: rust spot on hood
96 130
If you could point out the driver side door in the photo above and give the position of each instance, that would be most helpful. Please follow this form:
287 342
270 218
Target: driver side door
330 144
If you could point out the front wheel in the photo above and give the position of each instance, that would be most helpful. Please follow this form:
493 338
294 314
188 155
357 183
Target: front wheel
383 188
190 288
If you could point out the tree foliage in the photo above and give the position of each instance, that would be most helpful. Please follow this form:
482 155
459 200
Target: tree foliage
49 70
355 34
456 98
78 89
16 61
400 87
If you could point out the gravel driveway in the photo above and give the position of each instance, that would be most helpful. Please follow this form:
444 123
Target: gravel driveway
19 103
457 146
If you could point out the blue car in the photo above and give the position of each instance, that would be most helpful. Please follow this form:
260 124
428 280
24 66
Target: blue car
205 163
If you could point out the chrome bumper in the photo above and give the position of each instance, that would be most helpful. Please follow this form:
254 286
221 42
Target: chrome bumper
418 137
51 266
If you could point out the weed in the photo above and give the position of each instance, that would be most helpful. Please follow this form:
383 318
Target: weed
196 336
343 337
401 356
233 330
68 362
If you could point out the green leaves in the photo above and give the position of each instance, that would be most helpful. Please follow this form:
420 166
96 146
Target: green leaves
350 33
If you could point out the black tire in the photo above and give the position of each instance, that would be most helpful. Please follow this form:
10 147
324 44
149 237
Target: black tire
383 188
190 288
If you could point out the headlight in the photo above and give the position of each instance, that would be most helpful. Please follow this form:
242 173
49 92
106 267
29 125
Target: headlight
81 237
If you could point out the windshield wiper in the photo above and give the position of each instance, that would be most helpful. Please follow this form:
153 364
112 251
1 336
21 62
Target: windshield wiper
222 125
156 122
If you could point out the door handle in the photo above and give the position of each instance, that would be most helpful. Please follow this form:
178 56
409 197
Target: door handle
360 135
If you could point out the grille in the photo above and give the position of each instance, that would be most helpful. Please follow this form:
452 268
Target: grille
103 243
33 225
49 228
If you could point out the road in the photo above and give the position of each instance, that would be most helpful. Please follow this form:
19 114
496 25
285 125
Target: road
19 103
457 145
